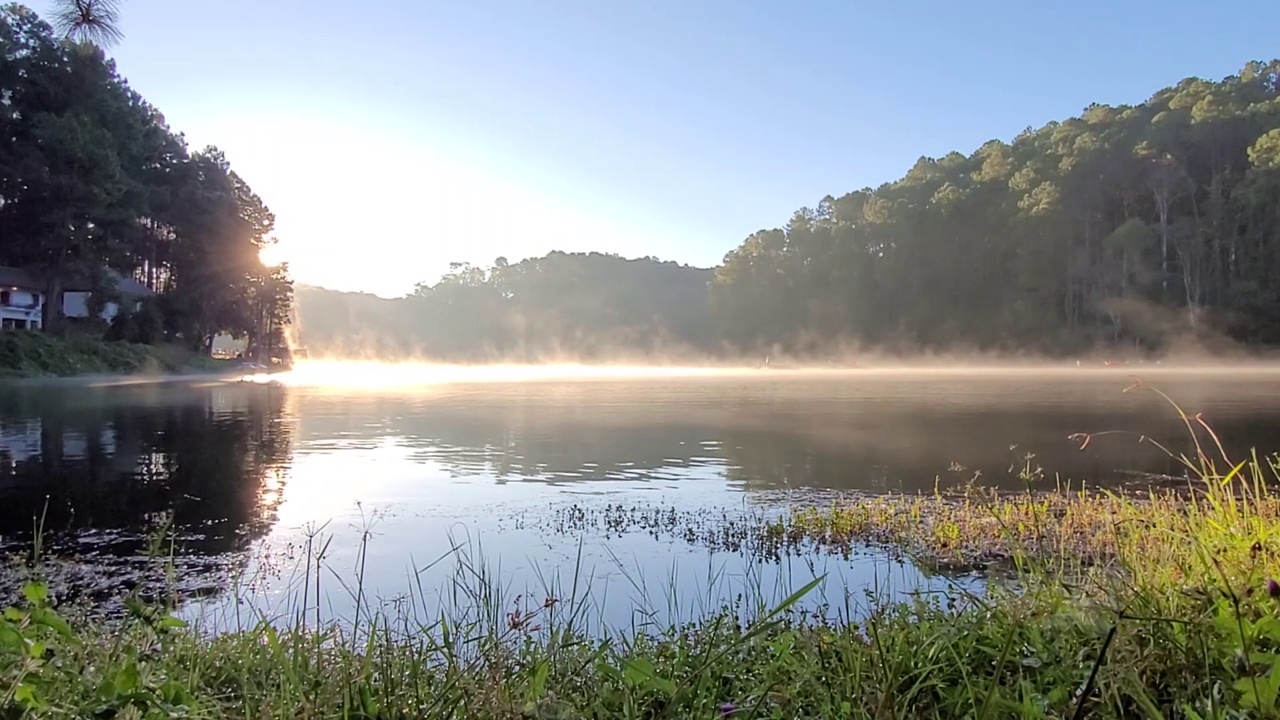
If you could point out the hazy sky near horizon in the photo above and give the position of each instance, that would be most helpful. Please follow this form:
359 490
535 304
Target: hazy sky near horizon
391 137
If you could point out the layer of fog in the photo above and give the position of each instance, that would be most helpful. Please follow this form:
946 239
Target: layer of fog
341 373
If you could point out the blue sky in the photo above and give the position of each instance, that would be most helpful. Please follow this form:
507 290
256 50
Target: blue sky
394 136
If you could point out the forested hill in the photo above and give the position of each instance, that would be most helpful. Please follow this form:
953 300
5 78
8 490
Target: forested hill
1131 224
563 305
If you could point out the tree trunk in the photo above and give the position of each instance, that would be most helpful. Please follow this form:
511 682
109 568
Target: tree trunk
51 312
1162 206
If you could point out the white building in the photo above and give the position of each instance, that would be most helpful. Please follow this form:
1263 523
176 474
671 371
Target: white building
22 299
75 303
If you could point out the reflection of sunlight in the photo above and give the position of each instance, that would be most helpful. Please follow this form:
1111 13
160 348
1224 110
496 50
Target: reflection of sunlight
349 374
261 378
272 492
323 486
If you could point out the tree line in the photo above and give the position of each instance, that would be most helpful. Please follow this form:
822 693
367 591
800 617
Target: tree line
1132 226
92 180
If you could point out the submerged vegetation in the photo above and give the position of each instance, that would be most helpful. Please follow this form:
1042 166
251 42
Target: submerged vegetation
1161 605
974 530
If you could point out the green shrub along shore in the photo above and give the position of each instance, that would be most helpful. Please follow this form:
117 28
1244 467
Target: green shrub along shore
25 354
1113 606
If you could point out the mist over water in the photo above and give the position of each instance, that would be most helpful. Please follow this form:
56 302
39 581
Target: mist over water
348 373
399 463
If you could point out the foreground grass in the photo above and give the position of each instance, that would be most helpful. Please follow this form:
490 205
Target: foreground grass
1012 656
1163 606
27 354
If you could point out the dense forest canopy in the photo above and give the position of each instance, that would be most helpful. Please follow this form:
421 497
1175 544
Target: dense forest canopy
1131 226
92 179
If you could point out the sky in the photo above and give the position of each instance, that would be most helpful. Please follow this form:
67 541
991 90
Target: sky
392 137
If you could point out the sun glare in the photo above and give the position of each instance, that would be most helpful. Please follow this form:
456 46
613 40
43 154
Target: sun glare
272 255
423 204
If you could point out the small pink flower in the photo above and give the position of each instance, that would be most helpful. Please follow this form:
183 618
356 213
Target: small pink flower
1273 588
727 709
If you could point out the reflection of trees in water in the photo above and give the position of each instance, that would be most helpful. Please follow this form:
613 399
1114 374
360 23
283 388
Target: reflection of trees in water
769 438
911 447
547 432
893 450
114 459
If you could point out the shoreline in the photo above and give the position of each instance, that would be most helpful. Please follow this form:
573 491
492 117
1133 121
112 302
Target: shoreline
115 380
85 359
34 356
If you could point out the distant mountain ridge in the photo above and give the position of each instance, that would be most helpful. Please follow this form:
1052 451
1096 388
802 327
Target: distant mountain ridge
561 305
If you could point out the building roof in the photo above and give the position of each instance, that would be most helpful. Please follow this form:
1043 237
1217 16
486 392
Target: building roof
14 277
128 287
125 286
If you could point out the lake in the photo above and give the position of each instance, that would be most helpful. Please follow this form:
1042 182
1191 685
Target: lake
411 477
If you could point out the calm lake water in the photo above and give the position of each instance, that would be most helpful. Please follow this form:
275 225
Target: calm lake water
397 469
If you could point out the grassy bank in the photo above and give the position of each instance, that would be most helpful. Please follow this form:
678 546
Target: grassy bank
1158 606
25 354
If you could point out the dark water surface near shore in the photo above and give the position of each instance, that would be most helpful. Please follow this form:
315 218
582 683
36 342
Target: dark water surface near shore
248 469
